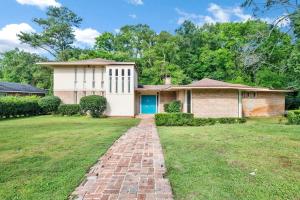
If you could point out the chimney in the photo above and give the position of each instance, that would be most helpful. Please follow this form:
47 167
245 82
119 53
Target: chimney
168 80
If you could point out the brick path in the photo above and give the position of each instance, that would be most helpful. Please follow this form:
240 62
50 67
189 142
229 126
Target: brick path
132 168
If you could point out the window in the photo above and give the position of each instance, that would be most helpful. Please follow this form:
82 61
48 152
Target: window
102 78
93 84
129 73
189 101
123 79
84 93
84 75
116 74
110 80
75 78
93 92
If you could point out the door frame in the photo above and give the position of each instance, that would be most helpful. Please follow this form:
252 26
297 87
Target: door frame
156 103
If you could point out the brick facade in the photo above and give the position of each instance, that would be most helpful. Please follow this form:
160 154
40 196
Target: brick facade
166 97
215 103
264 104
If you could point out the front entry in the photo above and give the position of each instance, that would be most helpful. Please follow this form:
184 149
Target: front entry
148 104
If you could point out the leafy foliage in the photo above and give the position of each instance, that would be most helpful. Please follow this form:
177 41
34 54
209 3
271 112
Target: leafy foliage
173 107
11 106
19 66
69 109
93 104
293 117
49 104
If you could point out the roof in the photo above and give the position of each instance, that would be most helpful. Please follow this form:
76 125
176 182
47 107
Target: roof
207 83
152 87
94 62
8 87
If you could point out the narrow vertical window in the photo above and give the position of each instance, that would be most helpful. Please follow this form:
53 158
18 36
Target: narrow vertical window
84 75
116 75
102 78
110 80
189 101
123 79
129 74
75 74
94 77
84 93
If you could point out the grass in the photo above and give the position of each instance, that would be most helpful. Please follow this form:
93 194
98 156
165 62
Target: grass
46 157
215 162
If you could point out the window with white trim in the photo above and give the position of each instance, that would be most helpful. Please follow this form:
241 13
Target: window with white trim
110 80
123 80
102 78
129 81
84 75
116 81
94 83
75 75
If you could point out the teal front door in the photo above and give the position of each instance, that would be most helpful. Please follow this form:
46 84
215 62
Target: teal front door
148 104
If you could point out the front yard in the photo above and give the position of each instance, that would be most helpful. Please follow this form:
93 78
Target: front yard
46 157
256 160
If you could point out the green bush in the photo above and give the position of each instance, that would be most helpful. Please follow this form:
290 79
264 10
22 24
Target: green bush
187 119
173 119
12 106
294 117
173 107
93 104
49 104
69 109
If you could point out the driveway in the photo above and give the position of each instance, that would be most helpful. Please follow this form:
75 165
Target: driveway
133 168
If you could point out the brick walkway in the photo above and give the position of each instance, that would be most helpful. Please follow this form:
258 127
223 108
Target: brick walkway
132 168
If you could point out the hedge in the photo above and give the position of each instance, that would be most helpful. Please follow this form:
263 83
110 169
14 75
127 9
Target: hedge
93 104
69 109
293 117
49 104
173 107
187 119
12 106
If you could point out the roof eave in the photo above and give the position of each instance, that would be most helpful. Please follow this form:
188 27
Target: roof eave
229 88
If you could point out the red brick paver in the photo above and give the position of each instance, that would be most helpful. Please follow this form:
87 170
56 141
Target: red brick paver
133 168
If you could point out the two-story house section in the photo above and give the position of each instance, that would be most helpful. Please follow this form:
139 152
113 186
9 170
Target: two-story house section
116 81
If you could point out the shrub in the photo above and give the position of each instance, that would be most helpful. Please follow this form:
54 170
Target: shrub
293 117
49 104
93 104
11 106
186 119
173 119
173 107
69 109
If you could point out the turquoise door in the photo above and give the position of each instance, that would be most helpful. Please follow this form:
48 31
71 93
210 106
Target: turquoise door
148 104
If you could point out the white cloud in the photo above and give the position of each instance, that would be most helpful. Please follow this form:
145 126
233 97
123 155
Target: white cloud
133 16
40 3
217 14
85 37
136 2
9 39
117 30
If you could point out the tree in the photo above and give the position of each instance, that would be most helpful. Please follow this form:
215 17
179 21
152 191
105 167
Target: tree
57 34
19 66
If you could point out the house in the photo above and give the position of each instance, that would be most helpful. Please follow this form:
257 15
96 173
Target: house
18 89
118 82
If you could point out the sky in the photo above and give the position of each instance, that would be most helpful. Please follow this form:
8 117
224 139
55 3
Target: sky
109 15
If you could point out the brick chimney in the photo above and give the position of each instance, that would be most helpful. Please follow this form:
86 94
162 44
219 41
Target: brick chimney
168 80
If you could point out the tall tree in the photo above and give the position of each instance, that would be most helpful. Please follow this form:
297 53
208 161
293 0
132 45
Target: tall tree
57 34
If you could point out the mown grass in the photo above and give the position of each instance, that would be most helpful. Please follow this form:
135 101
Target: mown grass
215 162
46 157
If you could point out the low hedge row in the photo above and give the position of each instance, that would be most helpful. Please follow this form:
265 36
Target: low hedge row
187 119
12 106
293 117
69 109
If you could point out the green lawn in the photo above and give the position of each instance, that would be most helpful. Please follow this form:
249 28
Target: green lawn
46 157
215 162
